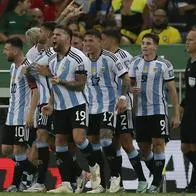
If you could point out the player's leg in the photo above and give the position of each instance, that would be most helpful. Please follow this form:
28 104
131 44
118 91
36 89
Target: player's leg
79 124
188 145
64 159
124 129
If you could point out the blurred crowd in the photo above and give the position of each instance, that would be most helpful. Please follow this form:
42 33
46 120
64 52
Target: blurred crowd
170 19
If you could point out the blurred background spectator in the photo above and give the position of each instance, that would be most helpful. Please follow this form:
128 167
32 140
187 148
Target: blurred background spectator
37 16
188 9
134 16
131 16
77 40
16 22
167 34
3 6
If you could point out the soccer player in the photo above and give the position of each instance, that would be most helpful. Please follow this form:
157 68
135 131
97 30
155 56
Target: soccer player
77 40
16 135
188 126
150 76
124 126
40 54
69 69
102 93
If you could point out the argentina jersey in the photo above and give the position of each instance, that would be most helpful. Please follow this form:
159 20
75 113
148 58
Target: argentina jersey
42 82
102 85
33 53
19 95
125 59
151 78
74 62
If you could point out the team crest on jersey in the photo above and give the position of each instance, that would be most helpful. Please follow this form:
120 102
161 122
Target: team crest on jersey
103 69
192 81
62 69
145 69
155 69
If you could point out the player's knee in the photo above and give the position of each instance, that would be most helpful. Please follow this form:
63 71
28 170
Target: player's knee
42 135
158 145
19 149
79 140
7 150
145 149
79 136
127 143
127 147
185 148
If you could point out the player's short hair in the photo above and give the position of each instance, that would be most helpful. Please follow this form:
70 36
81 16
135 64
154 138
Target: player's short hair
50 25
154 37
33 35
114 33
15 41
79 35
93 32
67 30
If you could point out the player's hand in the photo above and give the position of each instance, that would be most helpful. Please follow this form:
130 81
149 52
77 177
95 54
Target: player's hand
55 80
121 106
135 90
43 70
175 122
29 120
47 110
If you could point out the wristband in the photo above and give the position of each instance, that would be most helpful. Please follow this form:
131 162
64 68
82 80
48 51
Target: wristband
123 97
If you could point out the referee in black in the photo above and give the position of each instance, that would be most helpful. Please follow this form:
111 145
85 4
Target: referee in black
188 124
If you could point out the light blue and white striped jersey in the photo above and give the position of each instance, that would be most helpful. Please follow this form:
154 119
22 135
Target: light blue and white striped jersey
43 82
33 53
125 58
74 61
102 84
20 95
151 78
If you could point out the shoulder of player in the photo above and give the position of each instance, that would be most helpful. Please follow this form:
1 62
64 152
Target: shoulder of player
49 52
31 51
110 55
26 62
136 58
123 53
164 61
77 55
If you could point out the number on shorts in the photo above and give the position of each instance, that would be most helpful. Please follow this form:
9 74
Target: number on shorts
19 132
80 115
162 123
43 119
123 120
110 114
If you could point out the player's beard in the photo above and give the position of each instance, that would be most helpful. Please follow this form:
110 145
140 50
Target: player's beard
10 59
160 26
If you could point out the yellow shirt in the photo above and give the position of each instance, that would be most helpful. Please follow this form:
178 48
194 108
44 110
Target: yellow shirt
170 35
137 5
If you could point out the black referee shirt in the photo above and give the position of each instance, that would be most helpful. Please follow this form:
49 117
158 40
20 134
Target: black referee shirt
190 83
